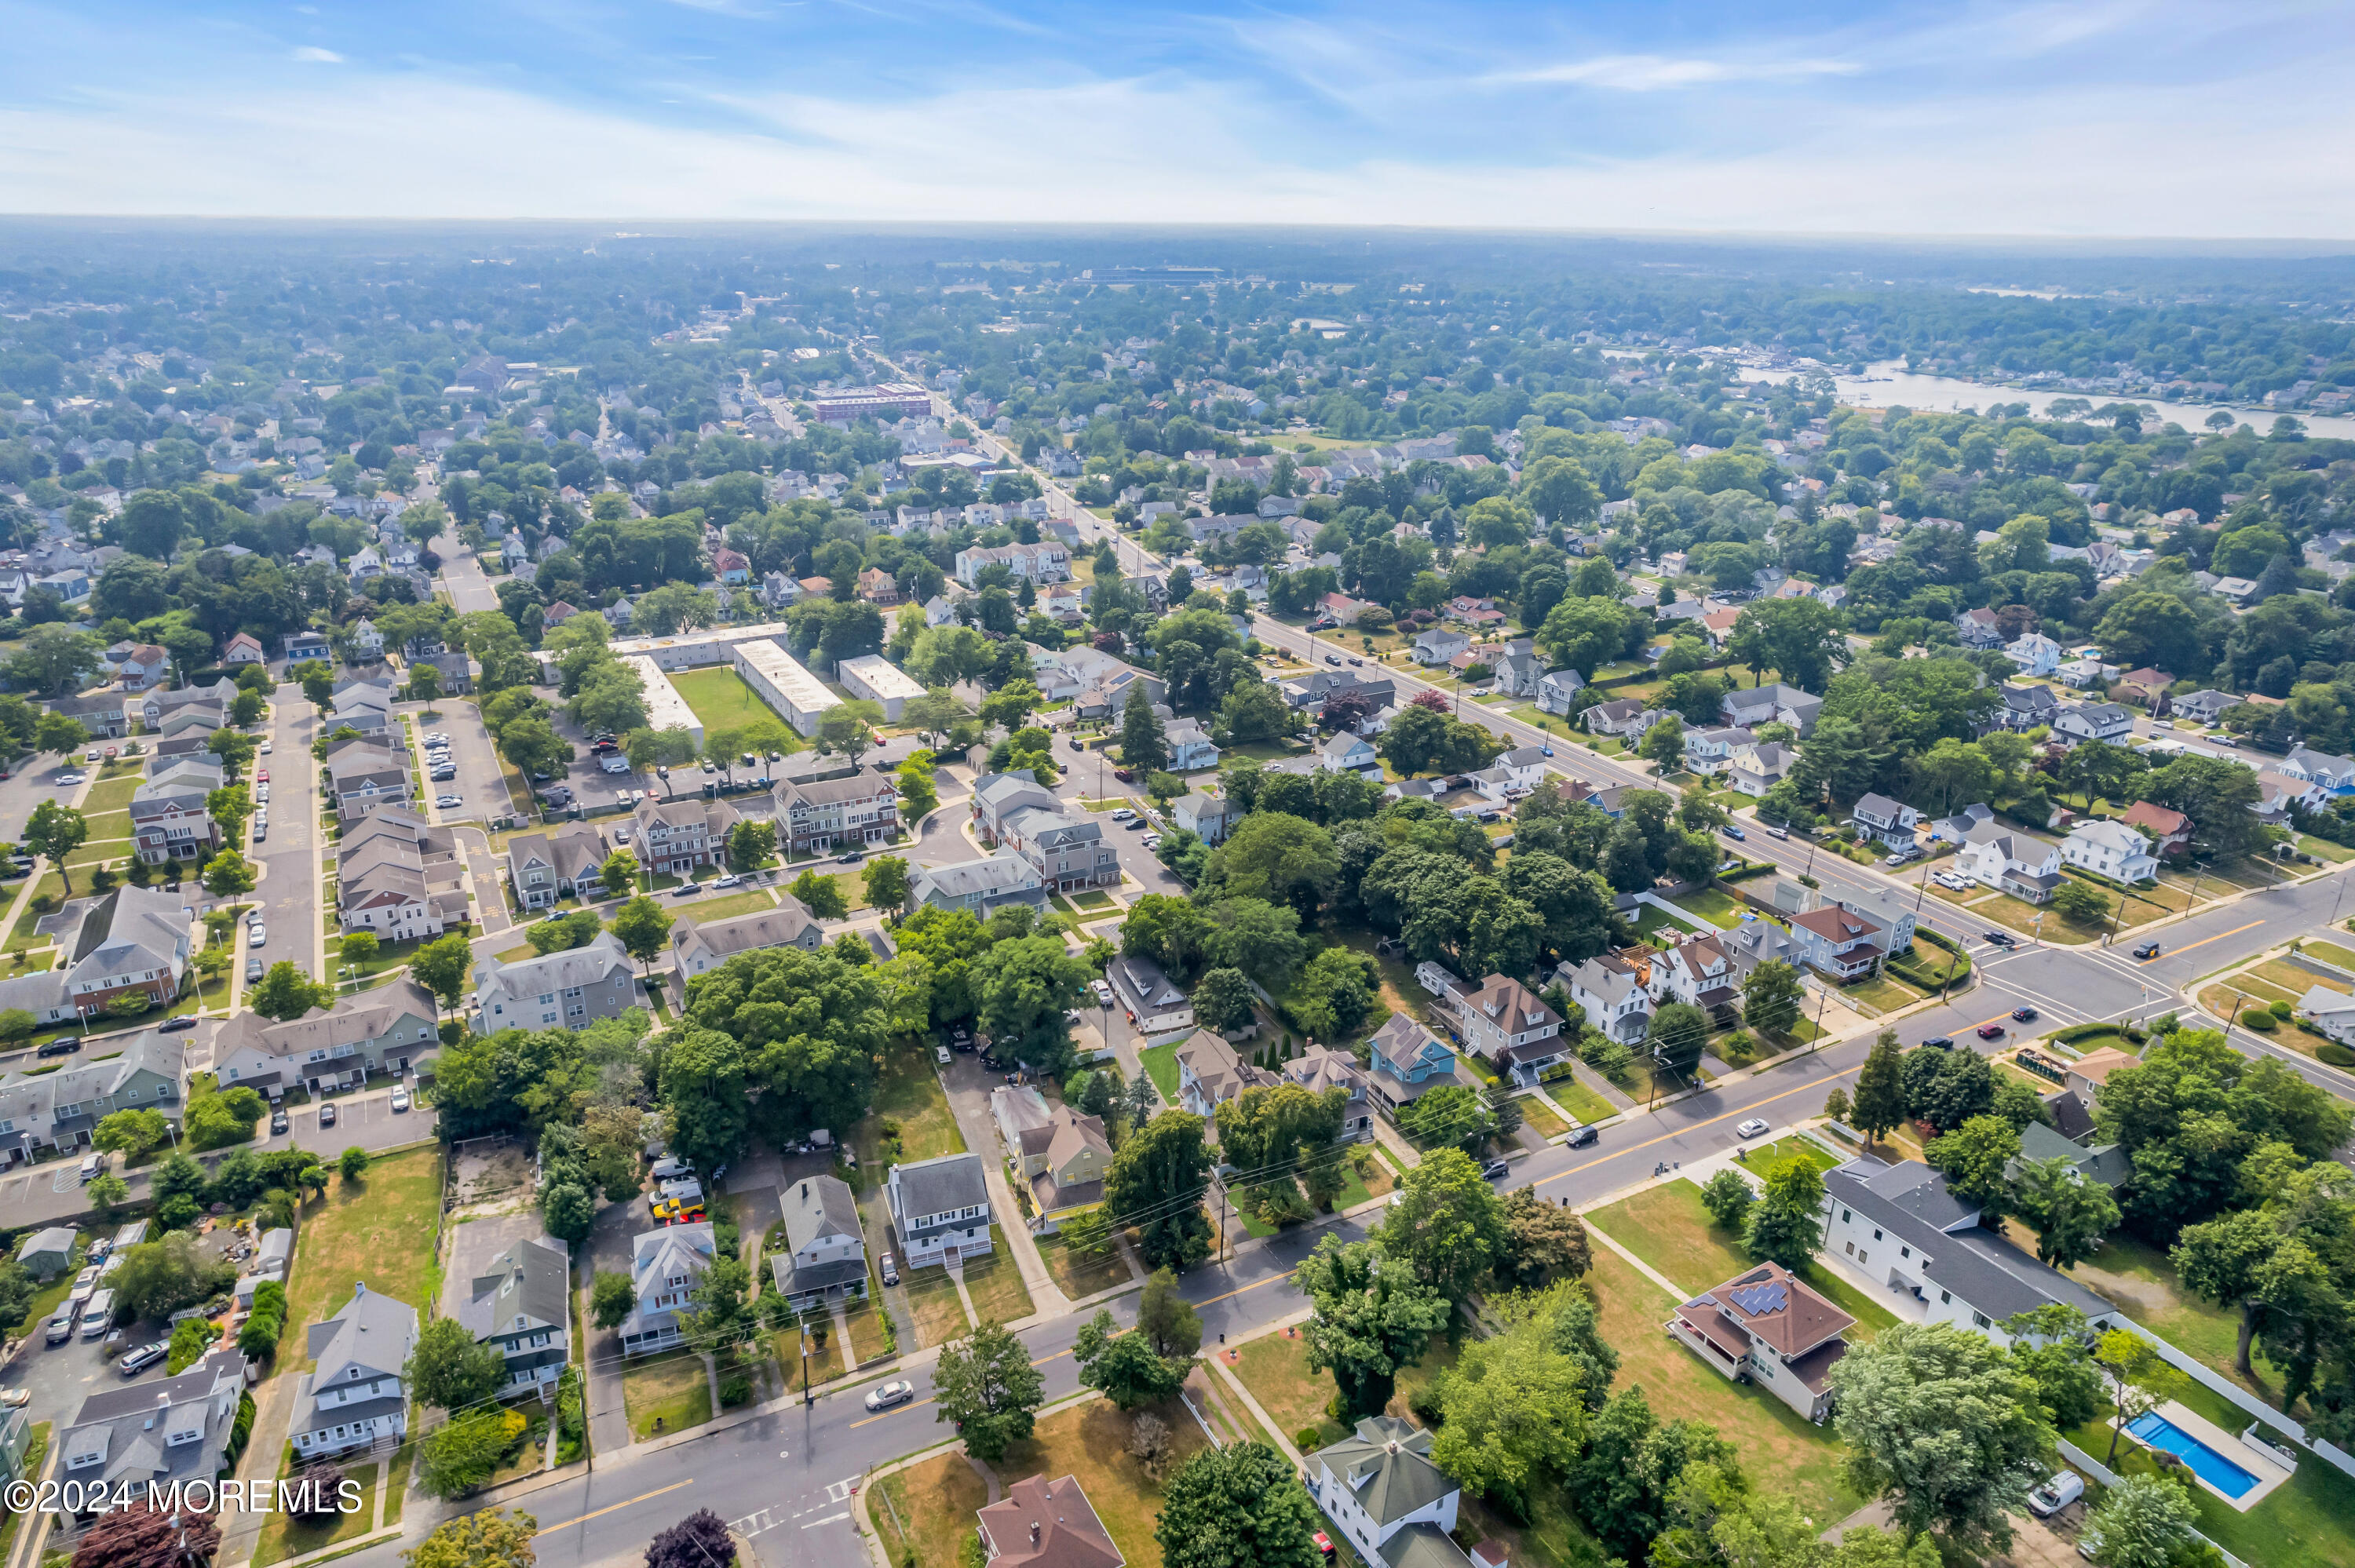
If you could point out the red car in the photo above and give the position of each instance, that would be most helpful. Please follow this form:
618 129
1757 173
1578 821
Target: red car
1125 775
263 777
1990 1031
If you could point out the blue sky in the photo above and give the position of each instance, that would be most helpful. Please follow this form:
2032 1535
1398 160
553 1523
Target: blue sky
2089 118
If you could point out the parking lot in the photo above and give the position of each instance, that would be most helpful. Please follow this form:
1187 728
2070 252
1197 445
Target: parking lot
480 794
594 790
364 1119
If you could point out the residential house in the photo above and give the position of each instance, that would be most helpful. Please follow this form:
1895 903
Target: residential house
1504 1022
1347 753
2105 1164
1212 1072
997 798
352 1396
2082 722
1891 822
2035 654
101 713
1766 1326
47 1252
1061 1153
940 1210
665 1266
1190 750
2110 850
1513 774
519 1305
1558 689
169 817
1379 1488
823 1261
1040 1523
1612 992
1320 1067
2332 1011
1068 849
1151 998
128 1437
1627 718
2088 1075
2011 860
978 887
1208 817
243 649
144 666
304 646
564 863
570 989
1698 972
699 947
386 1030
1710 752
2145 687
60 1109
2026 707
397 876
1754 769
2334 774
1750 707
131 940
2203 707
1979 628
367 643
674 837
1407 1062
1438 646
2168 830
1900 1226
364 774
1048 561
863 809
1755 942
1839 942
1520 668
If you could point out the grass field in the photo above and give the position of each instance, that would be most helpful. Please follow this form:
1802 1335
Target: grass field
2331 953
723 700
2295 980
997 1289
2142 1281
1081 1273
380 1229
671 1389
907 1092
936 1502
1667 1228
753 902
1161 1063
1275 1367
933 1307
1579 1100
1541 1121
285 1536
1709 904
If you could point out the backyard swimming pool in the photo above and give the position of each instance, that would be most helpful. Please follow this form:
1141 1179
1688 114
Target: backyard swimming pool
2205 1463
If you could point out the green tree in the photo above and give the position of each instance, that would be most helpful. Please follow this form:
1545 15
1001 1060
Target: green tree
2080 902
1240 1506
229 876
1974 1157
1787 1226
1772 998
612 1299
1631 1467
1159 1174
449 1367
1278 858
1513 1410
984 1383
463 1452
704 1083
1125 1367
1030 983
1728 1198
1945 1425
1223 999
360 948
56 832
886 882
131 1133
1143 745
2053 1345
445 967
1664 744
1678 1036
642 927
1544 1242
2139 1378
1880 1089
159 1277
59 732
493 1538
2142 1522
619 872
1446 1223
1166 1321
286 993
2071 1215
107 1191
820 894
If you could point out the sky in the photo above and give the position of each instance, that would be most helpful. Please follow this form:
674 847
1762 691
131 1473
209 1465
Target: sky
2077 119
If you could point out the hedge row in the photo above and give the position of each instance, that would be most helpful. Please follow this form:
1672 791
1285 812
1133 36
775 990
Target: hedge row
2082 1032
258 1338
1743 872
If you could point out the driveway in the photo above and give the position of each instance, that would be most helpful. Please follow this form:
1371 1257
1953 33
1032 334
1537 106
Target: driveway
462 574
288 860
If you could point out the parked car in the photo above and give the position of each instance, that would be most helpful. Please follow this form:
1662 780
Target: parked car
174 1025
1125 775
1103 991
2056 1494
850 857
448 802
278 1123
70 777
899 1390
731 880
61 1326
252 972
890 1267
65 1047
686 889
1939 1042
941 1054
1582 1136
1122 813
133 1362
400 1099
1754 1127
14 1398
256 935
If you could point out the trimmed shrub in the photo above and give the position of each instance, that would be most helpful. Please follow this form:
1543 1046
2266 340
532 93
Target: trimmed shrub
2281 1009
2262 1021
2335 1054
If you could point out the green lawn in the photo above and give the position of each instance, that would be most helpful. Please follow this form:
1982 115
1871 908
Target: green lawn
1161 1063
378 1229
754 901
723 700
1717 907
2331 953
1541 1121
2141 1280
667 1394
1579 1100
1667 1228
1766 1155
908 1094
997 1289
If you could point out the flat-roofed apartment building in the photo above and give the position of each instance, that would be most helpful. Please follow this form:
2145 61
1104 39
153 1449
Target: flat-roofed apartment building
784 685
879 681
665 709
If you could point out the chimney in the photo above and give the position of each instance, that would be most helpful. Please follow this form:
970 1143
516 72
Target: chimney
1034 1532
359 1286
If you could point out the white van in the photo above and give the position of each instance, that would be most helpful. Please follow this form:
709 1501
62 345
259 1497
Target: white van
685 1188
98 1315
614 762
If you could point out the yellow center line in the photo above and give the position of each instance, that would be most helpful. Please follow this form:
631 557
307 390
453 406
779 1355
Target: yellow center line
1666 1137
920 1404
616 1508
2217 938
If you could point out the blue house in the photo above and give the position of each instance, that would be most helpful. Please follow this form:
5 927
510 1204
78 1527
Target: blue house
1408 1060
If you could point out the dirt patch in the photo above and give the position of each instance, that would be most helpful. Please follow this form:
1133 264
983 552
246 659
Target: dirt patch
489 1170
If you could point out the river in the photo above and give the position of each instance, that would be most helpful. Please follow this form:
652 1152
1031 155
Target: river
1889 383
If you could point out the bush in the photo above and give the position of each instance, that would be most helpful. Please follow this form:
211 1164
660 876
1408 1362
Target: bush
2262 1021
2281 1009
1424 1402
1308 1439
2335 1054
737 1389
240 1429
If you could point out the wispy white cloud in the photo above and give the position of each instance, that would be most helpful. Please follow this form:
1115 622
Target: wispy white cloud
313 54
1656 73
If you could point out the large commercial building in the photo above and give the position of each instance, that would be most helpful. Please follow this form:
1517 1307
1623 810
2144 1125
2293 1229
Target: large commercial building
665 709
879 680
784 685
698 650
885 403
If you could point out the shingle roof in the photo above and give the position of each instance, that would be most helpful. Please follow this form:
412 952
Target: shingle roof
529 1280
1386 1465
938 1186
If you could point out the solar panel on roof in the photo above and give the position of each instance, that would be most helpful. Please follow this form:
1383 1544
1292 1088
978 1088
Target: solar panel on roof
1760 1299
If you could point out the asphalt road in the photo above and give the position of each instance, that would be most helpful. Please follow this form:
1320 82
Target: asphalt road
463 575
288 888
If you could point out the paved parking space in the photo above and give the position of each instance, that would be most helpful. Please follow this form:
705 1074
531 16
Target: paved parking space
482 795
287 861
594 788
364 1119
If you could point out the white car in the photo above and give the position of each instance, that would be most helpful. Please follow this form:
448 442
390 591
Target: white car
1122 813
897 1391
446 801
400 1099
729 881
71 778
2056 1494
1754 1127
256 935
1103 992
265 749
262 794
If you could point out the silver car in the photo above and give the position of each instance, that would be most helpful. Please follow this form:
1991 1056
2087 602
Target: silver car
899 1392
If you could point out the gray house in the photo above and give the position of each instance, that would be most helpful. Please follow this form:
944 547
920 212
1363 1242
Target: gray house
1208 817
664 1267
352 1396
571 988
518 1305
940 1210
174 1431
825 1259
981 886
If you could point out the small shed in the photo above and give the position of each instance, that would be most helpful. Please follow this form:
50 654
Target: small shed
47 1254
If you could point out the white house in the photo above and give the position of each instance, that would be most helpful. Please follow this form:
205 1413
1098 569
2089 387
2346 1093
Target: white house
1613 1000
1380 1489
1700 972
2333 1012
1438 645
1754 769
2335 774
2112 850
1347 753
353 1395
2075 724
2011 860
664 1266
1710 752
1513 774
2036 654
1891 822
1557 690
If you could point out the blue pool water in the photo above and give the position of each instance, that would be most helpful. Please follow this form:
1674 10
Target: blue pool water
2205 1463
